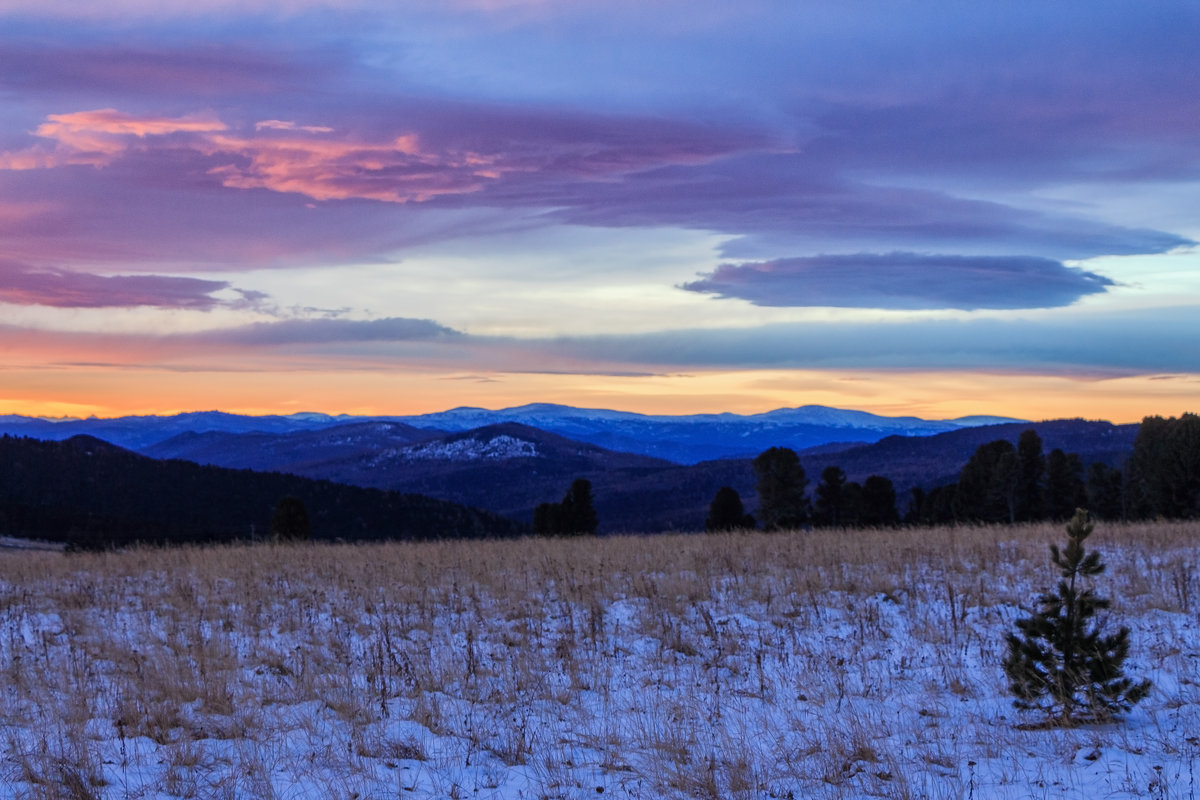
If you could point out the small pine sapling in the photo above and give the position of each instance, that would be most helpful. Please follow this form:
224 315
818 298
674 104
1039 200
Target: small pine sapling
1060 661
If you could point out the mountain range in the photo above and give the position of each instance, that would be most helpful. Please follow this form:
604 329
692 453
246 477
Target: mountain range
501 462
510 468
683 439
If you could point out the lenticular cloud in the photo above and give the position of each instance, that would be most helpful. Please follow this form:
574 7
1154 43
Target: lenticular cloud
903 281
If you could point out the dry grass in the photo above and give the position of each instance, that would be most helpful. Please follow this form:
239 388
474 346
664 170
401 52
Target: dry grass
843 663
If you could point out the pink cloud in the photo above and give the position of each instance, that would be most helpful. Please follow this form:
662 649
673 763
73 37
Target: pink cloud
113 122
396 171
173 176
399 167
95 138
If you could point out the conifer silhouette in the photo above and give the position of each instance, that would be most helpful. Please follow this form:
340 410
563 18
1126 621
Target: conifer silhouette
290 522
1060 661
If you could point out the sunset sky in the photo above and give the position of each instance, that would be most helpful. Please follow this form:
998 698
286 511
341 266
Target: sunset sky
672 206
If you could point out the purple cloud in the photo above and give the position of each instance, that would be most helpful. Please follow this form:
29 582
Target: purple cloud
22 284
426 155
903 281
107 184
842 133
191 70
783 202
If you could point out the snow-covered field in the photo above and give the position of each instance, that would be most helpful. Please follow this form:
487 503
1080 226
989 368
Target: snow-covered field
808 665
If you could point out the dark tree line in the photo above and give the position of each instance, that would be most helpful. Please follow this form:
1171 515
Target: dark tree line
784 504
1003 483
1164 470
1000 483
840 503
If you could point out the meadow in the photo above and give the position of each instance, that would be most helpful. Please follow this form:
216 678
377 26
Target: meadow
822 664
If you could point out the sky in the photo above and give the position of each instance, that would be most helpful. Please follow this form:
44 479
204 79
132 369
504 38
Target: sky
922 207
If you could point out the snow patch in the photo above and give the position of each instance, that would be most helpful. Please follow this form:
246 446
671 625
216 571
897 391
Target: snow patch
494 449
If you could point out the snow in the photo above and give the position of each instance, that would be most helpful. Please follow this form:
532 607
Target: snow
470 449
667 667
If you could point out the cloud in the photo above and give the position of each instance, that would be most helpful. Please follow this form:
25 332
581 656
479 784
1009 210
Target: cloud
449 156
163 212
125 10
1066 343
22 284
1143 341
781 203
903 281
96 138
287 125
74 129
327 331
148 68
876 132
388 343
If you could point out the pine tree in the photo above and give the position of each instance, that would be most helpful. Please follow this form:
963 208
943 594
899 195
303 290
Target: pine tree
878 508
290 522
1065 489
1061 662
1032 477
828 507
578 515
1106 491
782 503
547 519
987 485
726 512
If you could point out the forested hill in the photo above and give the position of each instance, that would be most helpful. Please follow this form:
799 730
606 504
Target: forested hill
930 461
91 493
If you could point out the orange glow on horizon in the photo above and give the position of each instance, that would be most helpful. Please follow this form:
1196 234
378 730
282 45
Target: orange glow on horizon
111 392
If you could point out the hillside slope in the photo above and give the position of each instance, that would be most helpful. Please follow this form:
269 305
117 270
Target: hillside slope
90 492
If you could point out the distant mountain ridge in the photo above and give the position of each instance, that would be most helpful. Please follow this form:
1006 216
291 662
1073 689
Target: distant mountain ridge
136 432
690 439
684 439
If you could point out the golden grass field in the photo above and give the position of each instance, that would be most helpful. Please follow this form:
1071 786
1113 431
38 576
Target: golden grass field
789 665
